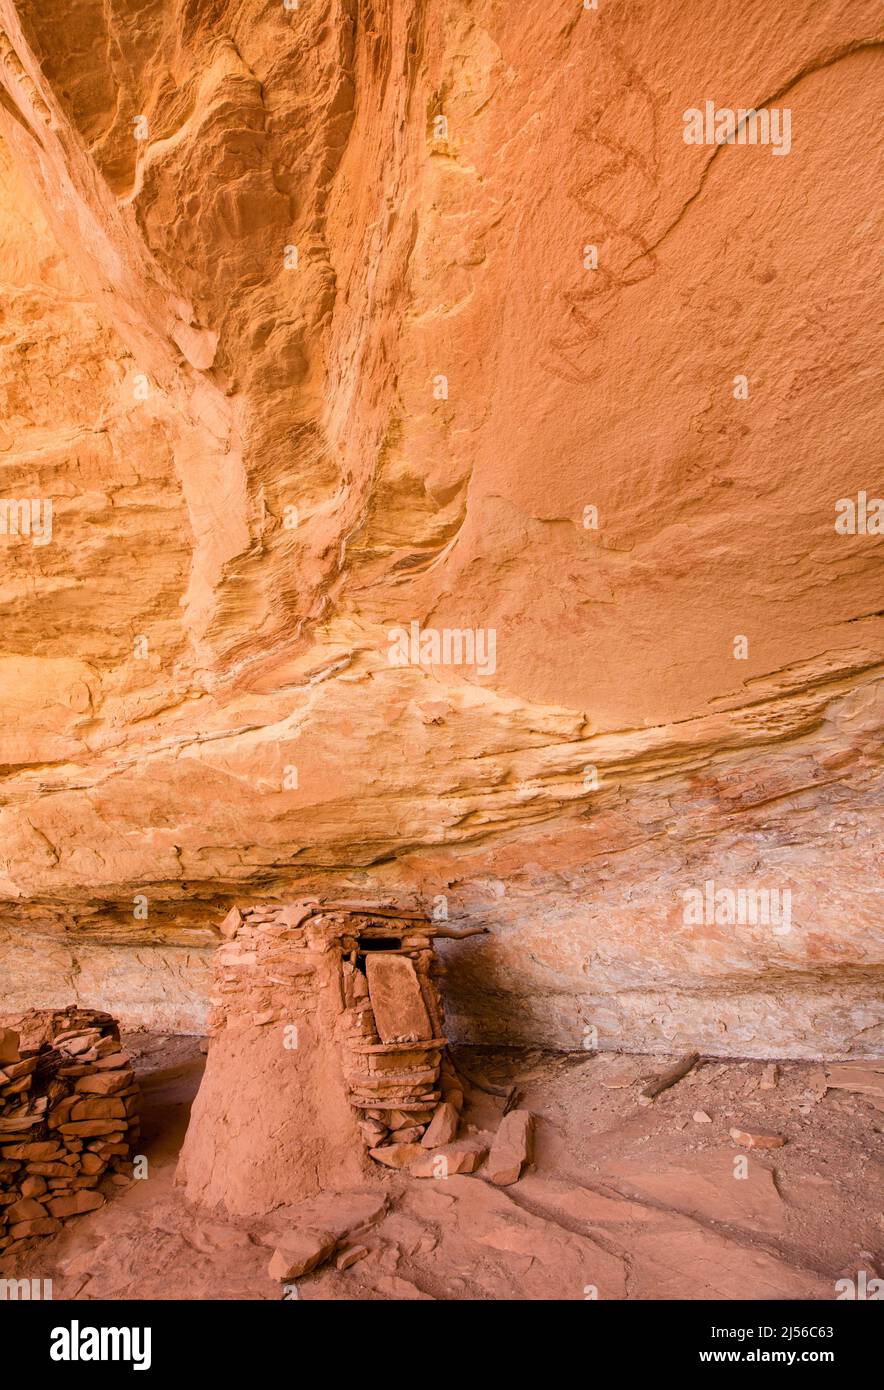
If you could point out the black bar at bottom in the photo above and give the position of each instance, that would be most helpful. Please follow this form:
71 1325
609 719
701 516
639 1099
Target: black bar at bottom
311 1337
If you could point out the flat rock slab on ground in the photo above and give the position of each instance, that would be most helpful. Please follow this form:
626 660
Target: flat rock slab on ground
300 1251
463 1156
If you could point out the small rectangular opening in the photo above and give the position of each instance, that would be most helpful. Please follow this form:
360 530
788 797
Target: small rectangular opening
379 943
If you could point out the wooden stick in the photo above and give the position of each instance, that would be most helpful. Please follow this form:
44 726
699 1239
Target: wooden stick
512 1099
669 1078
457 933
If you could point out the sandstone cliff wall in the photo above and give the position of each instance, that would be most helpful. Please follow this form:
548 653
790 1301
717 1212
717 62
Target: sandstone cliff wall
304 336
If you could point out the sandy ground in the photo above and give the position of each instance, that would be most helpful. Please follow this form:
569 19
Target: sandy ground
624 1200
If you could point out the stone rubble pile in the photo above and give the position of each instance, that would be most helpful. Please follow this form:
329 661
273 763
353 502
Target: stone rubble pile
68 1119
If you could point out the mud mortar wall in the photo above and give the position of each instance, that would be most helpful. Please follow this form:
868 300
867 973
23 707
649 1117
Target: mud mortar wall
271 1123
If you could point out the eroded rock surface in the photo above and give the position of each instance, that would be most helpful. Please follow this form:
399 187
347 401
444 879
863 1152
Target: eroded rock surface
238 253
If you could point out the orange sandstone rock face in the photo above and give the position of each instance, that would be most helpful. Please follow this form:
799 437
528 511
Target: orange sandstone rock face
461 491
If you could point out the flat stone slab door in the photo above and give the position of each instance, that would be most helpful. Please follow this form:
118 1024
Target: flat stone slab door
400 1013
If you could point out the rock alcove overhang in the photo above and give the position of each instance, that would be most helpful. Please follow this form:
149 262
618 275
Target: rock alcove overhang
174 386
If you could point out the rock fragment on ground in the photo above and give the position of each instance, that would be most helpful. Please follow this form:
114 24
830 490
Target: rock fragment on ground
511 1148
443 1126
351 1256
299 1252
463 1156
757 1139
396 1155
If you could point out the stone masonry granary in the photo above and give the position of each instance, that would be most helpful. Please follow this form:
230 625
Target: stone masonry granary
328 1046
